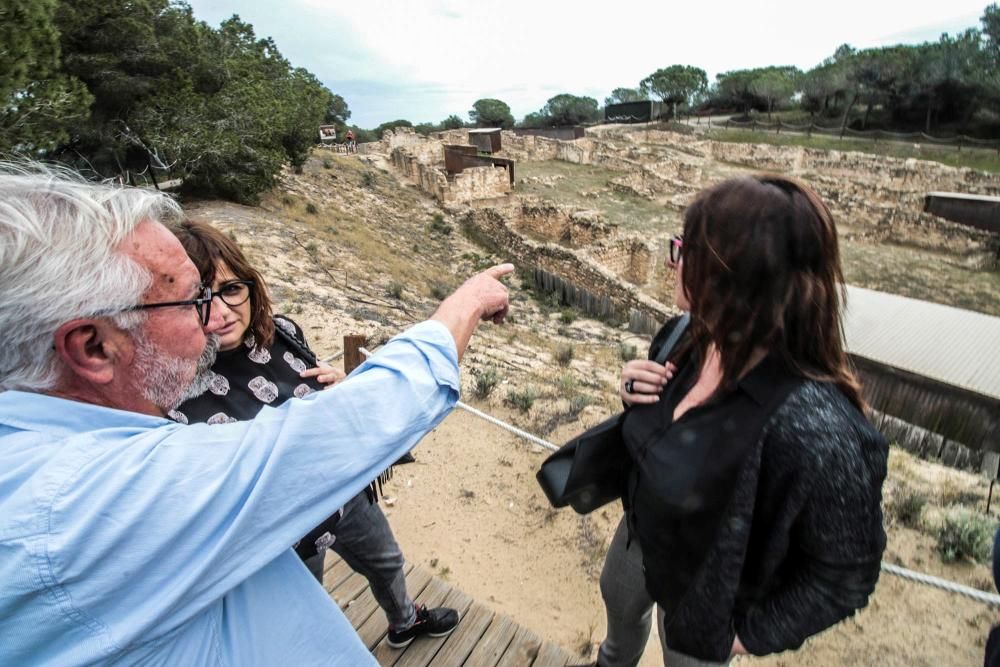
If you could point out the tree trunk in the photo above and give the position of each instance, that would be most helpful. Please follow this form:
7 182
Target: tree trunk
868 110
927 123
847 113
674 110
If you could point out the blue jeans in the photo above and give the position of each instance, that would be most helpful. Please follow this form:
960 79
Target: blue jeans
366 543
630 609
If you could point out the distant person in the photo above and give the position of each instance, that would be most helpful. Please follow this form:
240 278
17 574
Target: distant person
262 361
352 146
126 538
752 512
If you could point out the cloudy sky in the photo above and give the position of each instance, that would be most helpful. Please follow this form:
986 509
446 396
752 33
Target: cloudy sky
425 59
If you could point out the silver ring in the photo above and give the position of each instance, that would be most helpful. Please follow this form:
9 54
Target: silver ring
628 386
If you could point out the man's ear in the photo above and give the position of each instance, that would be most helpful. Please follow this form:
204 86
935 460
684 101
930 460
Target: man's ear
91 349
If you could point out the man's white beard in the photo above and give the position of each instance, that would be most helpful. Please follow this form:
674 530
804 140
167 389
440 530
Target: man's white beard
168 380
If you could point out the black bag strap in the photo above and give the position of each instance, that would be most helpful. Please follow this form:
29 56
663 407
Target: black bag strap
668 345
299 346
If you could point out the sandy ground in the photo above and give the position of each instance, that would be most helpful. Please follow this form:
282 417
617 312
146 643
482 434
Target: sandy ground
470 509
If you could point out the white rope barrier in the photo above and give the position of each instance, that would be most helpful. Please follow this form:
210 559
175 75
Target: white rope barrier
912 575
944 584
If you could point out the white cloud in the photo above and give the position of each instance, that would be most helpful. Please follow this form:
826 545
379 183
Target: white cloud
455 52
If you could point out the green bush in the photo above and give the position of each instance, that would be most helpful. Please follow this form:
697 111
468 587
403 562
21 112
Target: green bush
564 355
327 164
522 400
368 179
567 316
440 290
439 226
907 506
567 384
395 290
486 382
578 403
964 534
311 209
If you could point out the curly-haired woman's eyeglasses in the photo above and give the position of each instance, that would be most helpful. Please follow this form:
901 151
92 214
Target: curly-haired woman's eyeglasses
234 293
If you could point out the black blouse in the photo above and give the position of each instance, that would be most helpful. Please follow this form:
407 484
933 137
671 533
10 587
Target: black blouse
247 378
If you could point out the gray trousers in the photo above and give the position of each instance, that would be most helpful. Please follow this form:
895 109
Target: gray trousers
630 609
366 543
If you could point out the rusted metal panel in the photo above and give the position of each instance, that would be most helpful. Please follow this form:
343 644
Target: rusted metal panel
486 139
979 211
568 133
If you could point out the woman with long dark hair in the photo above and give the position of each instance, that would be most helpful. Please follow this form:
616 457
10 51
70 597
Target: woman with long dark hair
752 513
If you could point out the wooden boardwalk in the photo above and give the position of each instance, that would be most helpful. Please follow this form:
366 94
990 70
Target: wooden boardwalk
483 638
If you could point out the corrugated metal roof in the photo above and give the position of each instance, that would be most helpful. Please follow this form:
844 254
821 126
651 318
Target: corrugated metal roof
958 347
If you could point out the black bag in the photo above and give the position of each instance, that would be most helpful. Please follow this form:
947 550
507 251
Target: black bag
591 470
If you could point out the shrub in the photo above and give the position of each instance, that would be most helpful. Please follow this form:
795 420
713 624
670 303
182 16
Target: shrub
522 400
368 179
486 382
964 534
311 209
440 290
627 352
567 316
907 506
567 384
395 290
564 355
439 226
577 404
327 164
311 247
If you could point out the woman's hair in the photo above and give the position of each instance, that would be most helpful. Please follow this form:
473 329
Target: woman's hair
207 246
61 258
762 270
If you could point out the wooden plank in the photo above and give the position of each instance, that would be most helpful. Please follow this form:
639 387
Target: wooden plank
550 655
359 609
463 640
336 575
373 635
349 590
522 650
495 641
421 652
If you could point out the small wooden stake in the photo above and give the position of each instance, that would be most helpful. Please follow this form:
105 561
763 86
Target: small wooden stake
352 352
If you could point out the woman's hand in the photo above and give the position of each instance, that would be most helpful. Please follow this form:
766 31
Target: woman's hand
645 379
738 647
324 374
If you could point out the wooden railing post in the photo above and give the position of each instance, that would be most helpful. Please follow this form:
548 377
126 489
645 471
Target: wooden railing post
352 352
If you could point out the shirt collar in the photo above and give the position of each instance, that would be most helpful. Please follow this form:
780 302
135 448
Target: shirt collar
764 379
40 412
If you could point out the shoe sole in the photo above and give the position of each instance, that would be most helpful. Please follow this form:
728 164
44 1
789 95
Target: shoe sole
410 640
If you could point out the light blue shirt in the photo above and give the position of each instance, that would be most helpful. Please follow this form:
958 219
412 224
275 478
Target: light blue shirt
126 538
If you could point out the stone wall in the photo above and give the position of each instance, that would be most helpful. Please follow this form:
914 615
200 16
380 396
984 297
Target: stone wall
493 227
543 221
628 258
422 162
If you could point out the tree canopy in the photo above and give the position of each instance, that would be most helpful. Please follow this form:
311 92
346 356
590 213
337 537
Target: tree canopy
490 112
130 87
676 84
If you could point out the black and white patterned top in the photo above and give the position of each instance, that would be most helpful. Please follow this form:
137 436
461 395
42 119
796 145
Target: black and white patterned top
245 379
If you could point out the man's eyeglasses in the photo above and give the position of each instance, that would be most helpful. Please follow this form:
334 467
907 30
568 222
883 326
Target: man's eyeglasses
676 243
203 304
234 293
